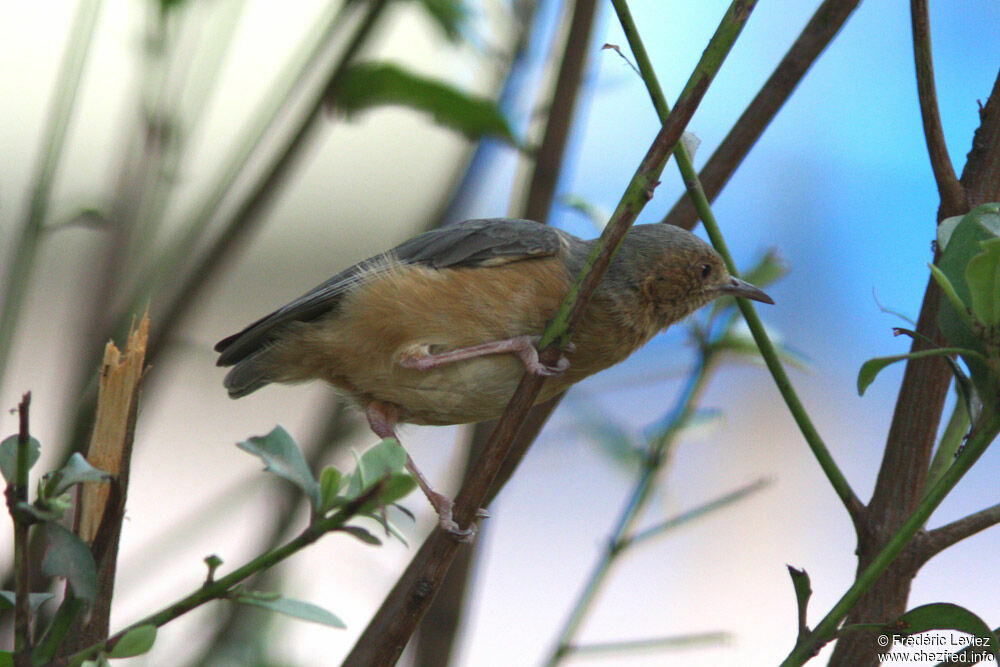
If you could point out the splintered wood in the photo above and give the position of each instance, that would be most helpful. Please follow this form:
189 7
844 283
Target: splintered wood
111 441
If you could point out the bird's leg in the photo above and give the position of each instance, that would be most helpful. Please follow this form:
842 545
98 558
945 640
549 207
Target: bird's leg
382 420
420 357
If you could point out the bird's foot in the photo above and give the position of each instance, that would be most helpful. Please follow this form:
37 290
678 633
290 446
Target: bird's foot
527 352
444 505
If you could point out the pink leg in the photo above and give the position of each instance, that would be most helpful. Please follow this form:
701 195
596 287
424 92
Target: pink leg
382 420
523 346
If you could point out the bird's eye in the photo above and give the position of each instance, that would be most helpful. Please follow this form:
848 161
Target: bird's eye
706 271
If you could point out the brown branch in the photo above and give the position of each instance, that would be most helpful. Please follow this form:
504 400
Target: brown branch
434 640
825 23
949 189
17 492
933 542
914 425
549 158
101 506
383 640
981 176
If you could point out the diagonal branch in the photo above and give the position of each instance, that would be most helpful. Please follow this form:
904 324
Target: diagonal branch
698 198
935 541
825 23
950 190
387 634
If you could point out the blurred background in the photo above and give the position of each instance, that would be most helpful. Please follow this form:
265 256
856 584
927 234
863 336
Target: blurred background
171 100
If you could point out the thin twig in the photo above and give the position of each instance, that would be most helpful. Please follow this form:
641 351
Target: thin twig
18 493
950 190
659 643
387 634
697 512
700 201
824 25
935 541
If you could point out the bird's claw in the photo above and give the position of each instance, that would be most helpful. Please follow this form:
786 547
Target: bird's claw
444 506
532 364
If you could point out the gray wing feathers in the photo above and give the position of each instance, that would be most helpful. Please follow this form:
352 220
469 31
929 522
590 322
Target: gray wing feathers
469 243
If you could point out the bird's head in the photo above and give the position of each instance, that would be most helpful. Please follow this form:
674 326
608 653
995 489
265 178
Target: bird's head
679 273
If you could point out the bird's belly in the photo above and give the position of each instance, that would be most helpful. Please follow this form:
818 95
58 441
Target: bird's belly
462 392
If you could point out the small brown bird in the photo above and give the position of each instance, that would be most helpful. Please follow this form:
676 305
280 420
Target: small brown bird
440 329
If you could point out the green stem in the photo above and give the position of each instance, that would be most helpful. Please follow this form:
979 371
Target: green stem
25 248
220 588
767 350
646 178
983 434
638 499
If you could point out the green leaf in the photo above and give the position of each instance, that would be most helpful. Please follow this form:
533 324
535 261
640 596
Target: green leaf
282 457
35 600
365 86
76 471
135 642
361 534
67 556
384 459
873 367
6 659
983 277
803 591
8 456
944 616
295 608
330 481
399 485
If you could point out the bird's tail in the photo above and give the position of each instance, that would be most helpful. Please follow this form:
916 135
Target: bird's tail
250 374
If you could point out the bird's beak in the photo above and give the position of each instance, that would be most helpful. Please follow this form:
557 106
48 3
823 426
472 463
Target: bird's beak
742 288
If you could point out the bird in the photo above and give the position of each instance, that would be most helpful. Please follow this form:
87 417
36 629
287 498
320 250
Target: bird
440 329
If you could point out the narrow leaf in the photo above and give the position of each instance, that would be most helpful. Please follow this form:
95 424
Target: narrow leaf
282 457
135 642
8 456
76 471
295 608
67 556
873 367
367 85
803 591
361 534
959 308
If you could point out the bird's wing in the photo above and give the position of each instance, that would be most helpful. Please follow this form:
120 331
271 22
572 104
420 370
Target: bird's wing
470 243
